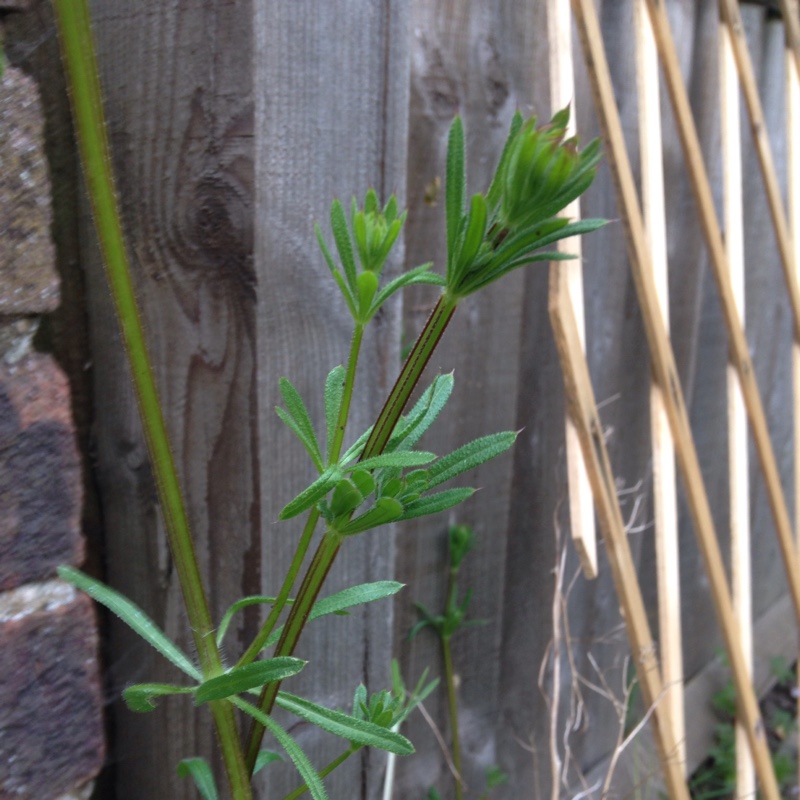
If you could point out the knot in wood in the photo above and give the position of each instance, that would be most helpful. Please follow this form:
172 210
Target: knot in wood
220 230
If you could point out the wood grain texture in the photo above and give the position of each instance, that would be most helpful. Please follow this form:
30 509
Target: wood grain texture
180 119
349 95
331 104
462 61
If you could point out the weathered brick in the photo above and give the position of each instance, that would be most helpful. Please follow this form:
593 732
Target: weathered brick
28 279
51 733
40 474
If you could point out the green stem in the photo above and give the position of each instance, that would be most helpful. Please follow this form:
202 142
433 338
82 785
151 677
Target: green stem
313 517
452 703
410 375
450 682
257 645
295 622
84 83
326 552
347 395
325 771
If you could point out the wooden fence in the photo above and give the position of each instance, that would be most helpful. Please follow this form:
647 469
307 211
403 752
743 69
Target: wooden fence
233 126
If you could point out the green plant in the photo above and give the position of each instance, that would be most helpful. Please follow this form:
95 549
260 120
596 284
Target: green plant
460 540
381 478
716 776
494 777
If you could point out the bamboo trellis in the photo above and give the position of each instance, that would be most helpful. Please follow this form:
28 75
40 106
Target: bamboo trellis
661 684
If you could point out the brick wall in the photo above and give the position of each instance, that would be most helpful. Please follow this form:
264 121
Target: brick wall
51 732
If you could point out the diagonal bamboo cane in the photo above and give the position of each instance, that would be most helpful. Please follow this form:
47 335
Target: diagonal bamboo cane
666 373
740 353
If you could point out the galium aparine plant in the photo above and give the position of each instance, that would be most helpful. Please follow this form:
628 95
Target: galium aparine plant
383 477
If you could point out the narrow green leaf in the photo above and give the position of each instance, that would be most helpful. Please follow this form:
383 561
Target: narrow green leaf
418 275
364 481
538 256
473 237
388 243
423 414
344 244
141 697
334 391
298 757
347 598
367 287
434 503
340 724
421 691
540 236
132 616
360 699
250 676
303 426
324 248
495 189
312 494
355 596
265 757
385 510
403 458
346 498
525 240
469 456
455 188
347 294
355 449
200 772
358 223
251 600
484 278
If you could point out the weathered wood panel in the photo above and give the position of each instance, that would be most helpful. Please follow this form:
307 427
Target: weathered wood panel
177 83
233 126
331 94
478 62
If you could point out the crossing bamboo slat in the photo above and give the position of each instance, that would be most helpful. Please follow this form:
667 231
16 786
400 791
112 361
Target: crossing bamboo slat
664 365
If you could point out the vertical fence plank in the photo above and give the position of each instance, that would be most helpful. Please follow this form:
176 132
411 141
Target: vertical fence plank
729 12
569 278
737 417
330 107
583 411
332 119
664 487
792 59
466 59
181 131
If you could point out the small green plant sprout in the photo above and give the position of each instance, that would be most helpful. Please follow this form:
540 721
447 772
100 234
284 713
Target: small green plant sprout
375 231
716 776
460 541
539 174
494 777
